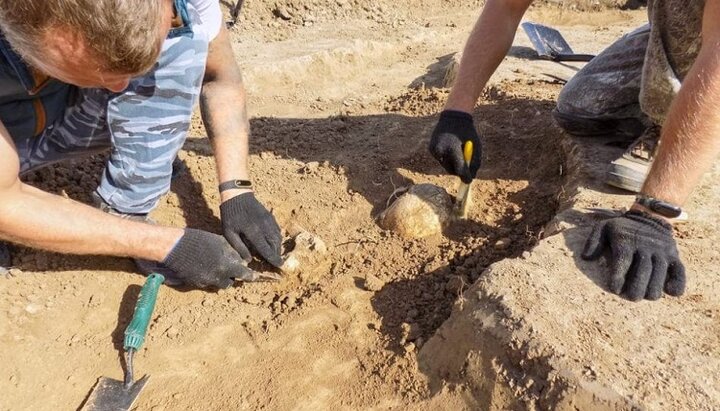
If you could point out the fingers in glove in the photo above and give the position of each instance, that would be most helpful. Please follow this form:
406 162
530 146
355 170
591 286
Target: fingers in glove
274 239
225 283
270 253
622 259
263 246
237 243
453 162
596 242
657 280
675 285
638 277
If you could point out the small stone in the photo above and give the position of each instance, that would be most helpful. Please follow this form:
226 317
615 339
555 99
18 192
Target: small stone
526 255
172 332
311 167
283 13
409 347
291 264
13 379
291 299
455 284
208 302
502 244
410 332
33 308
14 272
373 283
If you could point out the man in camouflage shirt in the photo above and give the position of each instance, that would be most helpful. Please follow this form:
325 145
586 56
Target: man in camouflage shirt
84 76
659 85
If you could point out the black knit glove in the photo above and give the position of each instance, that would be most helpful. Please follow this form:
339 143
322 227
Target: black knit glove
248 226
644 255
203 260
448 139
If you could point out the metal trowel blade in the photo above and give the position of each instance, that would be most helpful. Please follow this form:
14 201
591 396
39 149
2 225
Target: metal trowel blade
111 395
463 201
547 41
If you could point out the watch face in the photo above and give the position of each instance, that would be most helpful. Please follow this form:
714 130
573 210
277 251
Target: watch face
665 209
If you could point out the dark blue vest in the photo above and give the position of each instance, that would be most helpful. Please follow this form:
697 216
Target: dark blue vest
28 104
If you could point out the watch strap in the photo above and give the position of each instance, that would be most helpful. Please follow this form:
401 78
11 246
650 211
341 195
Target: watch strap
233 184
661 207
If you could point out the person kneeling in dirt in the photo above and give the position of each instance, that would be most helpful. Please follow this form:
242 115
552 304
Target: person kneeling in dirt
659 83
80 77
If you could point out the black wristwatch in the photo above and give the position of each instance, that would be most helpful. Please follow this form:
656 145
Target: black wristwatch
663 208
232 184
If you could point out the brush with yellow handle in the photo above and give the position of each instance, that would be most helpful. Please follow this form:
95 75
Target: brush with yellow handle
463 198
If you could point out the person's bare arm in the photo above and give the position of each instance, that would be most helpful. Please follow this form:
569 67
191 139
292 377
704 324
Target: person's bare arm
247 224
38 219
222 104
486 47
690 140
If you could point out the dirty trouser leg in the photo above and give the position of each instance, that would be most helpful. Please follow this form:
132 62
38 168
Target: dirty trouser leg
148 123
603 97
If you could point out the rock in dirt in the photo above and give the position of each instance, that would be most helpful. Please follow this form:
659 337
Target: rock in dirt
455 284
451 70
410 332
502 244
372 283
33 308
172 332
307 257
420 212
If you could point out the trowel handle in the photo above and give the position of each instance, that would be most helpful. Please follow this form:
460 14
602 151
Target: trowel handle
135 331
468 152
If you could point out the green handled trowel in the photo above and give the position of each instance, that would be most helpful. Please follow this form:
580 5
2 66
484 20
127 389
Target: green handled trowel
113 395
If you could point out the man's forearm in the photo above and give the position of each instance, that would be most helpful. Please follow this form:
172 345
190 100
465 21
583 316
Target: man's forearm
485 49
225 117
222 105
38 219
690 139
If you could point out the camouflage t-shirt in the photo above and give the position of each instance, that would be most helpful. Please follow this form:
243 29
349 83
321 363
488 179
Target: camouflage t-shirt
675 28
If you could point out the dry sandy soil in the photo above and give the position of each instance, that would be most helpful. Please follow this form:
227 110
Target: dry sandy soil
344 94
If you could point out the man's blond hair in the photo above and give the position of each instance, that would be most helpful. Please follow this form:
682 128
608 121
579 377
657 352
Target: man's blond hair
122 35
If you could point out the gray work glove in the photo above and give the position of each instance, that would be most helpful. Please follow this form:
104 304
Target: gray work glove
249 227
207 260
644 255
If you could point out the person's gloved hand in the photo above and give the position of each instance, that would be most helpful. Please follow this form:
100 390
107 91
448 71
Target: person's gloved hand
203 260
249 226
644 255
448 139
